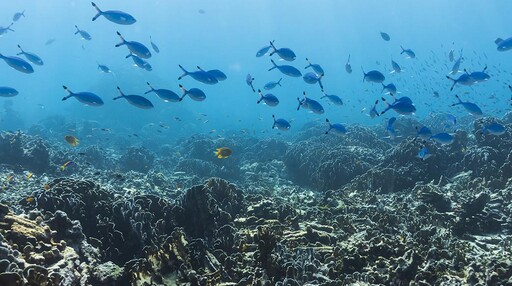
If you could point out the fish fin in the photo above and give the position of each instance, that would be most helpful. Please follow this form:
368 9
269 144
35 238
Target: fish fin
123 41
98 10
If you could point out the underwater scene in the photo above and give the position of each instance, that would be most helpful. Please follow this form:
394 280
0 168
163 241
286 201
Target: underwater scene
283 143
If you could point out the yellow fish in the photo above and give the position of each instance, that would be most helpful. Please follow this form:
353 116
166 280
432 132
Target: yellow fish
223 152
72 140
10 178
30 199
68 163
29 175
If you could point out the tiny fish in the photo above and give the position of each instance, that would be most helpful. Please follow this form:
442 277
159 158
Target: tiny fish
269 99
104 68
165 94
195 94
272 84
502 45
284 53
200 75
373 76
263 51
18 64
310 104
443 138
65 165
385 36
424 154
83 34
154 46
338 128
286 69
249 79
117 17
336 100
18 16
281 124
135 100
33 58
72 140
423 133
316 68
223 152
135 47
348 67
87 98
470 107
410 54
29 175
6 91
494 129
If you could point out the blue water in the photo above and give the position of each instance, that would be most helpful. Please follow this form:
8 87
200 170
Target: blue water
227 36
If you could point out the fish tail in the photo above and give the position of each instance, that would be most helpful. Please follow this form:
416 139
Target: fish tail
123 41
300 103
275 66
364 74
279 82
184 92
151 90
98 10
403 50
120 92
9 27
185 72
274 125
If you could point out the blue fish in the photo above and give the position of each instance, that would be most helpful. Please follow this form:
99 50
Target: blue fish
261 52
396 67
135 47
423 133
408 52
503 45
154 46
336 100
281 124
249 79
373 76
135 100
87 98
390 88
194 93
463 79
373 111
272 84
310 104
450 120
219 75
443 138
33 58
391 128
450 55
200 75
470 107
117 17
313 78
284 53
494 129
140 62
403 107
316 68
286 69
338 128
4 30
456 65
18 16
424 154
6 91
348 66
479 76
83 34
18 64
104 68
385 36
165 94
269 99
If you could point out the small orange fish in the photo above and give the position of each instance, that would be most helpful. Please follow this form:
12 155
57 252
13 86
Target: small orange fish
30 199
72 140
46 187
